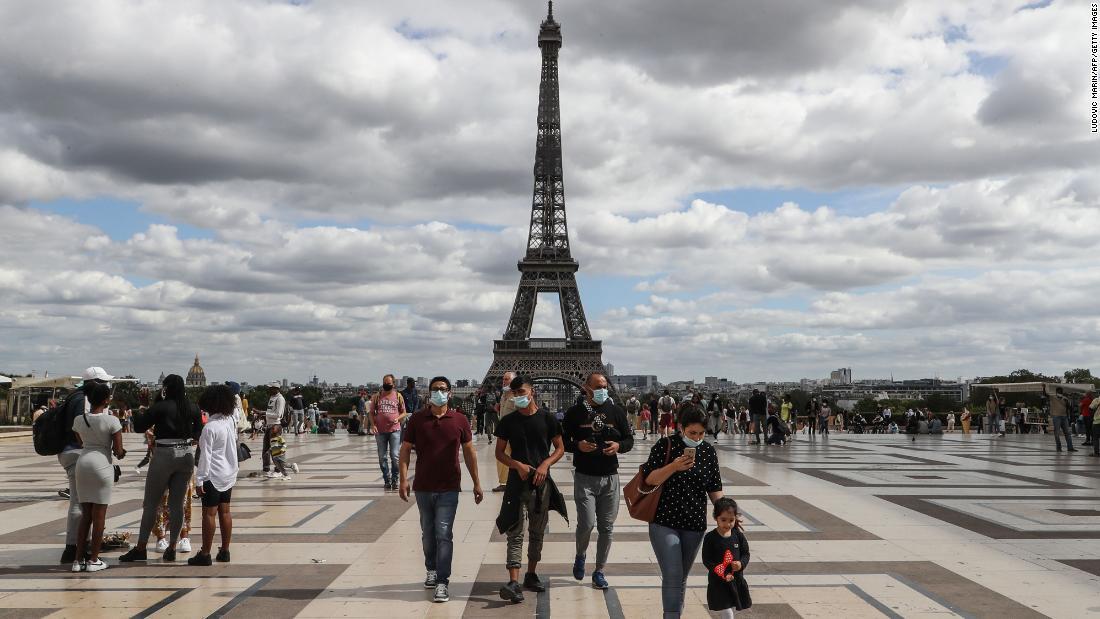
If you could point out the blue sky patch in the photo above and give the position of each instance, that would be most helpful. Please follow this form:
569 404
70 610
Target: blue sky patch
754 200
119 219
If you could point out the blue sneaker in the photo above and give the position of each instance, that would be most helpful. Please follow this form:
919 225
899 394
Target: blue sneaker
598 581
578 567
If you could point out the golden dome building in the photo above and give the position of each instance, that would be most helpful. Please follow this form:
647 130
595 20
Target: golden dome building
196 377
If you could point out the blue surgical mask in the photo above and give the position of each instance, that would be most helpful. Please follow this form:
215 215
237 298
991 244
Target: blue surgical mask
521 402
439 398
689 442
599 396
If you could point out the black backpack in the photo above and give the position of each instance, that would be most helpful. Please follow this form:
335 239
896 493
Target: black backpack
50 431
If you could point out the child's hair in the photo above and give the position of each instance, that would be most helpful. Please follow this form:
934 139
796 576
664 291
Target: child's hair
726 504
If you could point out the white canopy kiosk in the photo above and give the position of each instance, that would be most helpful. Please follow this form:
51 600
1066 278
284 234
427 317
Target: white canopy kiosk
1036 418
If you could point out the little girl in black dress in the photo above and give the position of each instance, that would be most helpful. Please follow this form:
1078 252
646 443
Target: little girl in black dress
726 555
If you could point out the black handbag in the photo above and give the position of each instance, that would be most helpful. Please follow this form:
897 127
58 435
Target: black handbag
118 473
243 452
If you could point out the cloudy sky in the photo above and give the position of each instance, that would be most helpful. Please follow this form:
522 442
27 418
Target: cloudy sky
756 190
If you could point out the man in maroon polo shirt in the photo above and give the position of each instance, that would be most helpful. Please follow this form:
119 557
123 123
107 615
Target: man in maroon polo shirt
437 433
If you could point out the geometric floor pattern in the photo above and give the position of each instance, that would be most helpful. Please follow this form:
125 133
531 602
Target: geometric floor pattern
844 526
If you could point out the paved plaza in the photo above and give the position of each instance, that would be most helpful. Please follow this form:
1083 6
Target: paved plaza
848 526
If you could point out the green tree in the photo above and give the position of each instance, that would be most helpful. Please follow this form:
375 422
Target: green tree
866 405
1081 375
127 392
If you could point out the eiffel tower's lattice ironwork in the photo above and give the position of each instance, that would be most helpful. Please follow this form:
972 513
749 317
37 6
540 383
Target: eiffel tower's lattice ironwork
548 265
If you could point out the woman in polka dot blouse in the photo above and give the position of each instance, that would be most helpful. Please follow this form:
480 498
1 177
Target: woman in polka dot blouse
676 532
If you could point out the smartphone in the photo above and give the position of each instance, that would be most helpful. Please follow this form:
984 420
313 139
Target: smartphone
689 451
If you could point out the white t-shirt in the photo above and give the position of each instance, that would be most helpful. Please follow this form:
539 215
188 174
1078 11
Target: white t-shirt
218 453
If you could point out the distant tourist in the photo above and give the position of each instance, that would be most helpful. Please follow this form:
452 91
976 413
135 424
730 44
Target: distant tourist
276 407
388 411
535 438
176 423
993 415
633 407
412 398
823 415
501 409
100 436
964 419
714 416
646 421
216 472
667 407
1086 416
481 404
438 434
595 432
1095 426
758 412
1059 417
297 405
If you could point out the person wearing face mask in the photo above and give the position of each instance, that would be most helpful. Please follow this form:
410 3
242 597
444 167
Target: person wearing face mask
438 433
388 412
500 410
688 468
535 438
595 432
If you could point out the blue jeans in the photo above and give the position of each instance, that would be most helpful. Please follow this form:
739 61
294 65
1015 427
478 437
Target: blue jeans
389 446
437 518
1061 423
676 551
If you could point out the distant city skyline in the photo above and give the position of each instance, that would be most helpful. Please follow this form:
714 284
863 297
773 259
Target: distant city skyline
905 188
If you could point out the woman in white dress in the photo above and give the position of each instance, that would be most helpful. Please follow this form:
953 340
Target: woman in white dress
100 435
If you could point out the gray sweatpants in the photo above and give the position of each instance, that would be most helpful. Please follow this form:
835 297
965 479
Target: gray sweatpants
171 470
597 498
68 459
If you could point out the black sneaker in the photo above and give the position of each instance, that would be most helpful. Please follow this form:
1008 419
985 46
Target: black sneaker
531 582
135 554
201 559
63 493
69 554
512 592
223 556
169 555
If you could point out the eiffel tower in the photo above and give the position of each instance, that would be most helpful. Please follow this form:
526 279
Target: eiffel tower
548 265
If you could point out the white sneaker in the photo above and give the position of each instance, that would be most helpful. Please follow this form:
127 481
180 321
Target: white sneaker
270 474
95 566
294 465
78 566
286 478
162 544
139 470
441 594
183 545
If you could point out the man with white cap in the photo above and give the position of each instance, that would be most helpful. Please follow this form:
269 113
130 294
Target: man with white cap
276 406
76 405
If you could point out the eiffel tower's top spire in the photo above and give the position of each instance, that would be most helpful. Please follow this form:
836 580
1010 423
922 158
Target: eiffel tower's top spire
550 30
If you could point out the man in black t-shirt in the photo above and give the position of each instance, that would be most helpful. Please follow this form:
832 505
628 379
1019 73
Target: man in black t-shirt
595 431
534 437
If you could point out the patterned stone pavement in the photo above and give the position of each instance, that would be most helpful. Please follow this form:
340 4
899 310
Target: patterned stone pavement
849 526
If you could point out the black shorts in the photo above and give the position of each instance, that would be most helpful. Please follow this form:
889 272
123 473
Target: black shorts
212 497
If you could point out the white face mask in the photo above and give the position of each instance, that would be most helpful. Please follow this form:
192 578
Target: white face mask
689 442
